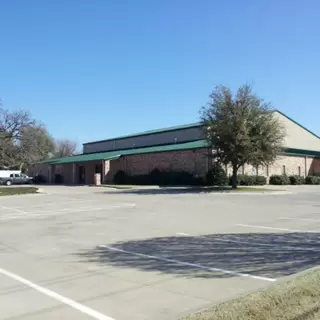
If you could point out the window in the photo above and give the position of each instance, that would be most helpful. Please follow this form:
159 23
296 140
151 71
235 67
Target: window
283 169
255 170
299 171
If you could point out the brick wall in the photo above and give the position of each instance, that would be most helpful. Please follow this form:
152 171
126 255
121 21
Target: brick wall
314 165
39 169
193 161
90 170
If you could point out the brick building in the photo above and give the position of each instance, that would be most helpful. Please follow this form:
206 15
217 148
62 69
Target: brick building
175 148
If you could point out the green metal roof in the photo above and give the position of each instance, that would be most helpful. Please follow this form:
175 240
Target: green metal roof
116 154
111 155
145 133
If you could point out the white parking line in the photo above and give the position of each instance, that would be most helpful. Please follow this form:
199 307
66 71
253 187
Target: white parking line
71 303
13 209
54 203
272 228
300 219
46 213
217 239
193 265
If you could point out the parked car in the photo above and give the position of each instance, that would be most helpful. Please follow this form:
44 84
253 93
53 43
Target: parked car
16 178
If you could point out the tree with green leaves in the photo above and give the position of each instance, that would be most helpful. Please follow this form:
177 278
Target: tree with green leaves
242 129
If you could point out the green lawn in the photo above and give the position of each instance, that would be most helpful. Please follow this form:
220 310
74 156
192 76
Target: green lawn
295 299
8 191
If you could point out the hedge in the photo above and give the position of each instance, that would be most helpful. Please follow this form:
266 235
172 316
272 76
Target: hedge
216 176
312 180
247 180
120 177
39 179
297 180
260 180
279 180
157 177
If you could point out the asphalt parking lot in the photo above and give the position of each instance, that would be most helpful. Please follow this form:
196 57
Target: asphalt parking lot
94 253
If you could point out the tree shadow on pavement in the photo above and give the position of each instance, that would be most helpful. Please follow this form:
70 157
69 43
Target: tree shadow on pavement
181 190
261 254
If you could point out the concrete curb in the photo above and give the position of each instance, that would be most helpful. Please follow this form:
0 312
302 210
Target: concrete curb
267 193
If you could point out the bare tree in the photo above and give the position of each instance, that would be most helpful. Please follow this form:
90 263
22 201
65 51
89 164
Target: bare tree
64 148
23 140
35 144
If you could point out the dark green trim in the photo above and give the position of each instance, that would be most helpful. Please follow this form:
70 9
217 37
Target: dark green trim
149 132
199 144
301 152
297 123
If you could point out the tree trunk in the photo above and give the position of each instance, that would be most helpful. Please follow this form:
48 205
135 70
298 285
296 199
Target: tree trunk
234 177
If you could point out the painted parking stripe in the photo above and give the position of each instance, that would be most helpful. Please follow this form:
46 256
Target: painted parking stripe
46 213
259 244
71 303
192 265
272 228
300 219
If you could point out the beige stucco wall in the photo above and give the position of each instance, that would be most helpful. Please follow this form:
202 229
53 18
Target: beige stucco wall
297 137
290 165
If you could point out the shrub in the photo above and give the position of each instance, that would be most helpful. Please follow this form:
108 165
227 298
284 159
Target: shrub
297 180
216 176
120 177
58 179
312 180
39 179
247 180
260 180
139 179
178 178
155 176
279 180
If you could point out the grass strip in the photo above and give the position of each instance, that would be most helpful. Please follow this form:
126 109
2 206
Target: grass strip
294 299
8 191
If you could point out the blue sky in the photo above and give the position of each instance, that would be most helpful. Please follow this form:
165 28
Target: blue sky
101 68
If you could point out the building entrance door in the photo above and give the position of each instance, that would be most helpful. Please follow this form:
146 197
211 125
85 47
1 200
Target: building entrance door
82 174
98 169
